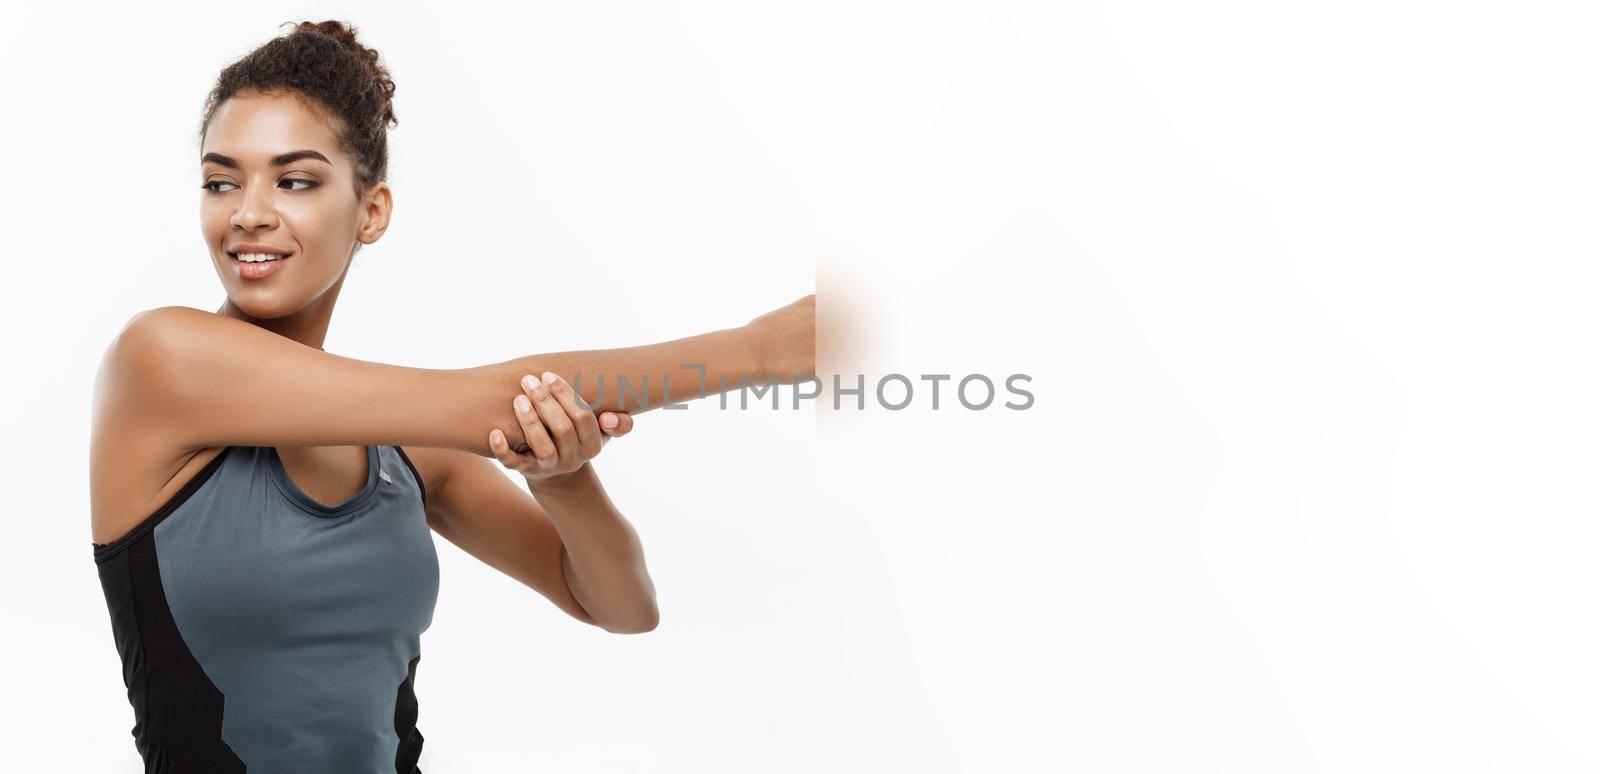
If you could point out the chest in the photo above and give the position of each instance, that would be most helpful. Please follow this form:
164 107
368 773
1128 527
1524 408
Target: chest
327 474
256 561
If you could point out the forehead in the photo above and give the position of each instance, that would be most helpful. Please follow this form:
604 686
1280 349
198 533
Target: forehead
252 127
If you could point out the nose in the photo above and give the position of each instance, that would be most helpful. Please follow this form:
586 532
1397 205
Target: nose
255 210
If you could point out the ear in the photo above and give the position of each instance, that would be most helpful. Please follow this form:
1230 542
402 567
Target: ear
376 208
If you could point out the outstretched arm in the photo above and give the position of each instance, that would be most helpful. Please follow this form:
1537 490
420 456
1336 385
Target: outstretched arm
195 379
777 347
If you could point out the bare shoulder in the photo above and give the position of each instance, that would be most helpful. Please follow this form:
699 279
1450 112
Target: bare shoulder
435 465
146 331
134 463
135 361
140 351
167 320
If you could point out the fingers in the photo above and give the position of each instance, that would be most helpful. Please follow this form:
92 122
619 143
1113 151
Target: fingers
540 444
554 418
567 425
502 452
560 429
584 425
619 423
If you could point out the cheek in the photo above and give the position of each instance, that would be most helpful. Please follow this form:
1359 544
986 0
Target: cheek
319 226
213 221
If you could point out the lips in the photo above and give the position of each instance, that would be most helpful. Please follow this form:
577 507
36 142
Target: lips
258 269
250 256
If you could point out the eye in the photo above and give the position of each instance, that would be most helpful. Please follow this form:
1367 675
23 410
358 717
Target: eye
211 185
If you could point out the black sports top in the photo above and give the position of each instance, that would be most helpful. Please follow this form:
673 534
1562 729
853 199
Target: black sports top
261 630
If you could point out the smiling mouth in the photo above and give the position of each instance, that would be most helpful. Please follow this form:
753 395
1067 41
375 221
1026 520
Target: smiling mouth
257 257
256 266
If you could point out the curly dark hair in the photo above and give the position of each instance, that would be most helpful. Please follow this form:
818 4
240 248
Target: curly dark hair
323 64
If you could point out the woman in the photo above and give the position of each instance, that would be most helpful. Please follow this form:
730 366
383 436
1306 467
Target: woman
260 508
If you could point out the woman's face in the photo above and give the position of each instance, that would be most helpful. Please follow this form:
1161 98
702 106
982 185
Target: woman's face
275 181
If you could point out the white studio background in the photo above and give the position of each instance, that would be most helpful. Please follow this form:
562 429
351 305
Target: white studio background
1305 290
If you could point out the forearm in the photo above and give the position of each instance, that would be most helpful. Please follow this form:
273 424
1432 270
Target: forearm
602 558
641 378
633 379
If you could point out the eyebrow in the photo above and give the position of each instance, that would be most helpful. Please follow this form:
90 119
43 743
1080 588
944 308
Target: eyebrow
277 161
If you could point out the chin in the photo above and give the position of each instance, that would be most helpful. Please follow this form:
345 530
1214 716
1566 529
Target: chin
263 306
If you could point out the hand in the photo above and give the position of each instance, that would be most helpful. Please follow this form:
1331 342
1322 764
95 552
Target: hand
786 339
561 435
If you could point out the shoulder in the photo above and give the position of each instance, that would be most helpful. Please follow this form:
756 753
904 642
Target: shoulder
160 323
138 357
435 466
155 365
167 315
137 350
136 447
149 334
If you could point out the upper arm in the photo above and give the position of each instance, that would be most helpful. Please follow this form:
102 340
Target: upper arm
476 506
200 379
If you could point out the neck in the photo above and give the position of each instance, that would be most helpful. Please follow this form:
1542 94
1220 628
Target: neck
307 325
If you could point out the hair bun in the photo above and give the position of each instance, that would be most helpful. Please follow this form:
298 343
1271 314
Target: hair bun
346 35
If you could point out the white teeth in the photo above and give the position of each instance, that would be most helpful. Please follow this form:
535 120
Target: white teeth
257 257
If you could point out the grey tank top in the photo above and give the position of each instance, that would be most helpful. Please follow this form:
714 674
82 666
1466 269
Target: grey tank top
262 630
